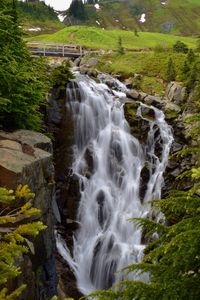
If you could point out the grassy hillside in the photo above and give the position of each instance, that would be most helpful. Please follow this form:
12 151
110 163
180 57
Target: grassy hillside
97 38
151 65
40 15
177 16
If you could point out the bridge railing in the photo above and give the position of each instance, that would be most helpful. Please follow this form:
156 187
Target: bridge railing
42 48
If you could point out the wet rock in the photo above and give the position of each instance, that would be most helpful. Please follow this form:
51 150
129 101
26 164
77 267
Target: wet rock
142 96
153 100
144 181
133 94
92 73
147 112
89 159
176 147
83 70
77 61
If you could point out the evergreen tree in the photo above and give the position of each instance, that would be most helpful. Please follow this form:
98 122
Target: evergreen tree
77 10
120 48
171 73
23 83
185 70
190 56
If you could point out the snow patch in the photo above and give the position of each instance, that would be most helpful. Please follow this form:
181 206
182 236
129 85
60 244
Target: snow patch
143 18
98 22
36 29
117 21
97 6
61 18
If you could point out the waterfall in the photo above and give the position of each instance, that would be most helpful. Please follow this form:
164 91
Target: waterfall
108 161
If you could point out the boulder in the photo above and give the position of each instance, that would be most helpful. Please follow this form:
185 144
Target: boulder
22 161
142 96
153 100
171 110
175 92
92 62
128 83
31 138
133 94
77 61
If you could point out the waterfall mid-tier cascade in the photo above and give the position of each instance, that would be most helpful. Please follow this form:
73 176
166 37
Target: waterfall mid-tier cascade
108 161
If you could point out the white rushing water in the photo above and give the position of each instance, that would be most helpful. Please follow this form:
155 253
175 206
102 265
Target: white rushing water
108 161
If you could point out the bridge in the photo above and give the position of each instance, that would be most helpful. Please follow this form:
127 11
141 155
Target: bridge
55 49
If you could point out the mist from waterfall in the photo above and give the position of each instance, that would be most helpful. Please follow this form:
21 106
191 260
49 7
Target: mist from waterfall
108 161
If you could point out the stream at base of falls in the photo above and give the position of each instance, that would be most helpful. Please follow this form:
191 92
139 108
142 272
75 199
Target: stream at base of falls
108 161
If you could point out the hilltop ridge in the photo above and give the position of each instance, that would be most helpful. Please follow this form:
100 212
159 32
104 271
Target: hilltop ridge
165 16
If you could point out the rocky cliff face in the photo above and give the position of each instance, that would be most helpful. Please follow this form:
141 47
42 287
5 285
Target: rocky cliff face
67 186
173 105
26 157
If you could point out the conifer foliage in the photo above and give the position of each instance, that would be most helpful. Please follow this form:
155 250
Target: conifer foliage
15 209
77 10
23 83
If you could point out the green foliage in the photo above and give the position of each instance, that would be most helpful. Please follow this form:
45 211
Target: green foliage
171 73
61 75
23 82
185 70
180 47
120 48
77 10
198 45
36 10
192 82
15 211
190 56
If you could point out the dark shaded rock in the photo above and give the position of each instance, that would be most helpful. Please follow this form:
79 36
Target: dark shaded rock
142 96
147 112
92 73
153 100
129 83
144 180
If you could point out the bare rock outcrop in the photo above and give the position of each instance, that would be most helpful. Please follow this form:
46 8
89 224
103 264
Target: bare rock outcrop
26 158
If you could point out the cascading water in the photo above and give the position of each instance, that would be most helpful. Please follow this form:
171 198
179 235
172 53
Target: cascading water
108 161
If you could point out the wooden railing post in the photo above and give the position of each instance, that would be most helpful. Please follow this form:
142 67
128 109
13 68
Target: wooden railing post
63 50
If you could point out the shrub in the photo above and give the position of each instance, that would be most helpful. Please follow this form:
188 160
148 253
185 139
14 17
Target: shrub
171 73
16 209
180 47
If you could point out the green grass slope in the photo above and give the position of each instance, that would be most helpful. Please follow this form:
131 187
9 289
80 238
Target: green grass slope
180 17
92 37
